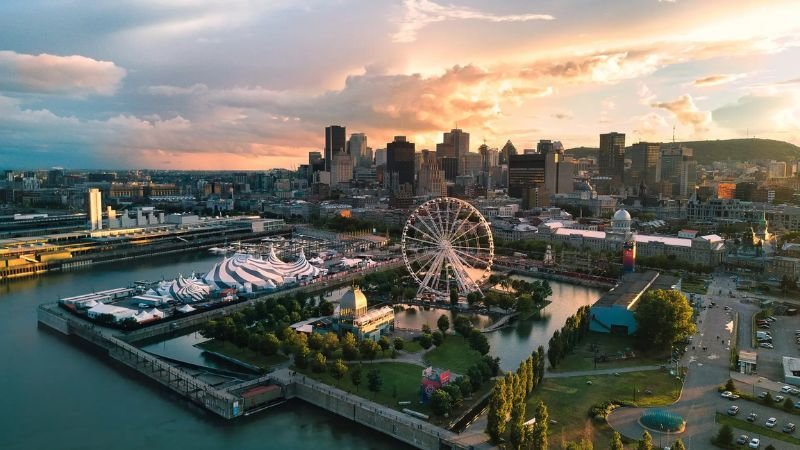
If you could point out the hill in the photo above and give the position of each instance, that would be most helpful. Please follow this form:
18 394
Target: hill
706 152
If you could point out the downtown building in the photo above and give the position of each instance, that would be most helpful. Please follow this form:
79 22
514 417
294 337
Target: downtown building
611 158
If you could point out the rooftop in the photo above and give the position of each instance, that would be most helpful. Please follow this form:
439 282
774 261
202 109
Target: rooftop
629 290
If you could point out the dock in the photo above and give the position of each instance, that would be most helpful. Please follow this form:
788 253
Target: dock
226 400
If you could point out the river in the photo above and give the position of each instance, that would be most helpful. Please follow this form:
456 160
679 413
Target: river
60 394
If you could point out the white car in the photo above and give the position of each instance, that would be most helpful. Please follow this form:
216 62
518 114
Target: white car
771 422
766 345
754 443
726 394
786 389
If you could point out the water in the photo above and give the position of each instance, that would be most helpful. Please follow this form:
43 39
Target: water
59 394
414 317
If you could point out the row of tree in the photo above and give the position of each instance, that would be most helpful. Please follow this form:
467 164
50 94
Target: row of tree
507 403
564 341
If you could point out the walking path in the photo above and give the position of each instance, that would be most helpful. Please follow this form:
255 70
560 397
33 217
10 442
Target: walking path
583 373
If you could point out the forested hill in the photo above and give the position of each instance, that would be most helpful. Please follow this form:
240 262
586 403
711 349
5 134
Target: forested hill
725 149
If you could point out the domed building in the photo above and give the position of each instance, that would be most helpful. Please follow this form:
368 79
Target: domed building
354 316
621 222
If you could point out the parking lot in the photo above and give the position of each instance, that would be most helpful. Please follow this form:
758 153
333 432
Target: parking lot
770 363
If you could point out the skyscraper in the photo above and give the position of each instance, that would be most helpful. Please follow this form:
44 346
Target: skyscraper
460 142
357 147
380 157
341 168
524 172
335 141
400 162
679 168
95 212
612 157
430 180
645 163
507 151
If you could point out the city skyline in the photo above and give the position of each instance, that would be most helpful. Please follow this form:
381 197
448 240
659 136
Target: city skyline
234 85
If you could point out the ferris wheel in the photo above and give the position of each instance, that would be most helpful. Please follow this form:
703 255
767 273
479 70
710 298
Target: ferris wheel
447 244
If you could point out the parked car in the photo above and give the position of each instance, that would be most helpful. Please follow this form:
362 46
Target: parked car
726 394
766 345
762 395
794 391
779 398
786 389
752 417
742 439
770 423
771 319
733 410
788 428
754 443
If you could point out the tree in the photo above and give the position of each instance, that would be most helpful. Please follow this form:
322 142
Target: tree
270 345
384 343
462 325
454 296
316 341
539 435
443 324
788 404
368 348
399 343
338 370
455 393
349 346
326 308
616 442
425 341
330 344
540 372
646 443
768 399
441 402
374 380
478 341
730 385
678 445
495 419
724 436
516 426
355 376
584 444
437 338
426 329
301 356
663 317
318 362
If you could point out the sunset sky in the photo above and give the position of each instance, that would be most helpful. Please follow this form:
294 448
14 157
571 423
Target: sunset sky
250 84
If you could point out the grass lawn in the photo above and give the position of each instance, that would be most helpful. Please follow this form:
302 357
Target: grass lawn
694 287
568 401
753 428
401 382
412 347
454 354
583 356
242 354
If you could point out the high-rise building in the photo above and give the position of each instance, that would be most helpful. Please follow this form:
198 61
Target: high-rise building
400 162
524 172
470 164
489 157
341 169
776 169
450 166
559 173
366 158
445 150
335 141
430 179
357 147
459 140
679 168
611 158
95 210
507 151
726 190
380 157
645 163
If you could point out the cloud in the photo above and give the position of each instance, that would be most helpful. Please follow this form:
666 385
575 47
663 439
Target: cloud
74 75
173 91
686 111
563 115
716 80
419 14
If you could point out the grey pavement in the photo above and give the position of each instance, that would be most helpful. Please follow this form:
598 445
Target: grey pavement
700 399
583 373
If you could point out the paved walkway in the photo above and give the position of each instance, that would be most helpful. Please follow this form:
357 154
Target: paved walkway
583 373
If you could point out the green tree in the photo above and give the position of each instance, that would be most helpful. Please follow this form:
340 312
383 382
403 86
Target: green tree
349 346
540 429
356 376
495 418
462 325
338 370
724 436
455 393
769 447
426 329
583 444
441 403
316 341
678 445
646 443
516 425
374 381
426 340
271 344
384 343
540 371
301 356
616 442
788 404
318 362
368 348
663 317
768 399
478 341
443 324
730 385
437 338
454 296
399 343
330 344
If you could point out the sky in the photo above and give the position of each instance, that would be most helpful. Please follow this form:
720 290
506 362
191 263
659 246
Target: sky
251 84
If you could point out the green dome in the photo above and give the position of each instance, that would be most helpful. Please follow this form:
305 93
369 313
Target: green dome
661 420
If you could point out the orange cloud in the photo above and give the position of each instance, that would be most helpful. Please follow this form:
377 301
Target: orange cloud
50 74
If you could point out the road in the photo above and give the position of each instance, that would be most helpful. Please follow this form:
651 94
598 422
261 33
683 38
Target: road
709 368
